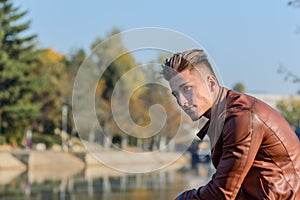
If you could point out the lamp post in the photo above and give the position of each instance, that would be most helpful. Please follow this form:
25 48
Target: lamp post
64 124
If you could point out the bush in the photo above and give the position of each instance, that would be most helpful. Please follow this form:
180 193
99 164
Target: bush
2 140
48 140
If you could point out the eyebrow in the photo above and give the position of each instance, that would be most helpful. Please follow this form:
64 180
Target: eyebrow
183 84
180 86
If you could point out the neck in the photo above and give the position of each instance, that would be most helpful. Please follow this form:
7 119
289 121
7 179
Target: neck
217 96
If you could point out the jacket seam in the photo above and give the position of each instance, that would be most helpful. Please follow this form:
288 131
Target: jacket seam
273 133
250 113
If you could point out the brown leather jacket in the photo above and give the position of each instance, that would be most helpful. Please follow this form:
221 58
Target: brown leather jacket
256 156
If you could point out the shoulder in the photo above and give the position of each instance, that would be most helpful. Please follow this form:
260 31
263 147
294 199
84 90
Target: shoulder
236 102
239 115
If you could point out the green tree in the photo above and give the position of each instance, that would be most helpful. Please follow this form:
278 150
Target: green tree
74 61
18 67
111 51
73 64
159 94
53 91
290 109
239 87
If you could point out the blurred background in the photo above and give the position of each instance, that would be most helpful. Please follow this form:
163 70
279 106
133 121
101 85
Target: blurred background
255 46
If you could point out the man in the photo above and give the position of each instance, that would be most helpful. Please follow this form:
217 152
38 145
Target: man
254 150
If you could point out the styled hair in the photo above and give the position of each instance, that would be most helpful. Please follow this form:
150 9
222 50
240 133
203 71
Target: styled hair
190 59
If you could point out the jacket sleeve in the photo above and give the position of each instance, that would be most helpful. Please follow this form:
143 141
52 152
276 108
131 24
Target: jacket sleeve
240 146
188 195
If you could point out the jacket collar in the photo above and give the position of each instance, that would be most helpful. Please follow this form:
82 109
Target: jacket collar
217 118
201 134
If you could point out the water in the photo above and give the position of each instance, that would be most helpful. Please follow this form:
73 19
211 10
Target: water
100 183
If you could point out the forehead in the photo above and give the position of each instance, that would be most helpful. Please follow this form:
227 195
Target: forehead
186 76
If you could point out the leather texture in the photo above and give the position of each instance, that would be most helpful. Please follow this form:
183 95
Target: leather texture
256 156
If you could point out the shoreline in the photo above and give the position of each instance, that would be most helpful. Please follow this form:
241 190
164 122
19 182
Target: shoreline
48 165
49 159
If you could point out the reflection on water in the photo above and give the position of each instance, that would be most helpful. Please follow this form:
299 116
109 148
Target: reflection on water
100 183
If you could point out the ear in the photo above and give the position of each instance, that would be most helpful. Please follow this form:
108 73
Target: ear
212 82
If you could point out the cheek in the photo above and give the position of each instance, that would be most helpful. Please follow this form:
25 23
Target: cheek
202 99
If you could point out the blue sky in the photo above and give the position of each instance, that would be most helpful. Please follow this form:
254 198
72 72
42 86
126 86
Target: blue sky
248 40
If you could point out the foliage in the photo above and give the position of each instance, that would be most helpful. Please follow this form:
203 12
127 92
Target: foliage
33 83
295 3
239 87
17 69
113 73
2 140
289 76
290 109
74 62
48 140
53 90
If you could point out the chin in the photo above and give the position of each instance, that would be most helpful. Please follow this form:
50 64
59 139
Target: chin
194 117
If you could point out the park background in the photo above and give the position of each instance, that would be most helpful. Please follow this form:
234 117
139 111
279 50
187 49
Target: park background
255 46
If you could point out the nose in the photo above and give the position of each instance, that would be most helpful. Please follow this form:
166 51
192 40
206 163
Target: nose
181 100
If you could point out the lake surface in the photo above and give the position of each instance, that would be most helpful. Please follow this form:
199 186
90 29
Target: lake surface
101 183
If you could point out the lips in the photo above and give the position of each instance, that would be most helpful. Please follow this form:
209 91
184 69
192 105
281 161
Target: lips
189 109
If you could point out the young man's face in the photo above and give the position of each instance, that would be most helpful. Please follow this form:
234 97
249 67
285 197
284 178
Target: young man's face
193 94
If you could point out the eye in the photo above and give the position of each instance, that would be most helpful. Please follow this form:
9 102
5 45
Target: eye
187 88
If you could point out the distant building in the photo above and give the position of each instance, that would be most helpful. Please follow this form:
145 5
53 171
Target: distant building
273 99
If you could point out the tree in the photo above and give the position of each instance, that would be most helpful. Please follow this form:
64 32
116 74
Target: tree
239 87
34 83
53 92
113 73
74 62
18 67
295 3
159 94
290 110
289 76
111 52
